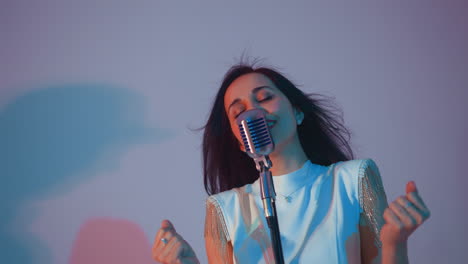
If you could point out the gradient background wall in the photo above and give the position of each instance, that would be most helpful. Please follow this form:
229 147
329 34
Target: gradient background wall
97 99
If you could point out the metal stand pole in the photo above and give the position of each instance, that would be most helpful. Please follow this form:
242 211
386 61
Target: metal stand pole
268 198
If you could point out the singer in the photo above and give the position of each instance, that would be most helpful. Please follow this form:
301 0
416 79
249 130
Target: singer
331 207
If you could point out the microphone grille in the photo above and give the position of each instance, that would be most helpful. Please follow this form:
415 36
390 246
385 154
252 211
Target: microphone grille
255 133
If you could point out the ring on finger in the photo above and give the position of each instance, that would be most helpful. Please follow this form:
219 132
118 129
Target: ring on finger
164 240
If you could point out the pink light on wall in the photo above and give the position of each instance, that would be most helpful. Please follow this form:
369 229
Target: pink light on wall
107 240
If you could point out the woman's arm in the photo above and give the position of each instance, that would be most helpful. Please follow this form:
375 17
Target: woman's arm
384 230
218 247
402 217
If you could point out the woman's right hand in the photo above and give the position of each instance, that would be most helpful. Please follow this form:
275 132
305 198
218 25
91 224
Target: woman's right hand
171 248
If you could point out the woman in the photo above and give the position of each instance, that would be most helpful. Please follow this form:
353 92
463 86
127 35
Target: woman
331 208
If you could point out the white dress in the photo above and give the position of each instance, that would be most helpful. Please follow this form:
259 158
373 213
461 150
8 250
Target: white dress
320 209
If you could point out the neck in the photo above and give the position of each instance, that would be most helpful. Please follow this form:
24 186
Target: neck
287 159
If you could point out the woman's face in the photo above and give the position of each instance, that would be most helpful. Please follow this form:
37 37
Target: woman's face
254 90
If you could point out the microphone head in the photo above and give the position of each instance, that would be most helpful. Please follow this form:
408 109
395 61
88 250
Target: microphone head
255 133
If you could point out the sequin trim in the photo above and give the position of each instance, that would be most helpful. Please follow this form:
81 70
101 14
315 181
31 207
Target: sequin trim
216 233
372 198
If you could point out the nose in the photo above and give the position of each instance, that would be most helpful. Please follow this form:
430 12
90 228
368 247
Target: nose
254 105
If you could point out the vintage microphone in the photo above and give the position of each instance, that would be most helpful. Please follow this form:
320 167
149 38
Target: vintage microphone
258 145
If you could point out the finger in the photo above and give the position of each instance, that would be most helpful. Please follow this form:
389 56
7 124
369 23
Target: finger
419 203
166 224
161 251
167 253
417 200
412 210
158 237
412 191
402 214
168 235
172 255
411 187
184 250
391 218
401 211
176 254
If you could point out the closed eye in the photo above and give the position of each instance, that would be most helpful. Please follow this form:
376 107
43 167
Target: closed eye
264 99
238 114
269 97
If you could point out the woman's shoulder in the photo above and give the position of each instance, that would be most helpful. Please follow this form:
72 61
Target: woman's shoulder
350 174
227 198
354 167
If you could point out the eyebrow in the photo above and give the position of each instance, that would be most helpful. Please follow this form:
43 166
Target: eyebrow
255 90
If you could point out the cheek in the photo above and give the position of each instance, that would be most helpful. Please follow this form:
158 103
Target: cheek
280 106
274 106
286 113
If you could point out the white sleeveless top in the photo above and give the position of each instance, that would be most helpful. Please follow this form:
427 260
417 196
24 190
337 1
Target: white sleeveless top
318 208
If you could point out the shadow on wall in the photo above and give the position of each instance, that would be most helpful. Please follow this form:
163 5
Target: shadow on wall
50 140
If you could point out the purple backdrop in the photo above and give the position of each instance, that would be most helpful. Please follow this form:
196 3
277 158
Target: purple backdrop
97 100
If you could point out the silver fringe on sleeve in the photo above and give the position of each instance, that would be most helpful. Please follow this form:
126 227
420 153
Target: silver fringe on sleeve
218 247
372 198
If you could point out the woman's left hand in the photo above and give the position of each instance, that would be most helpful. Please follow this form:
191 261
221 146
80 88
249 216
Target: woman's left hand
403 216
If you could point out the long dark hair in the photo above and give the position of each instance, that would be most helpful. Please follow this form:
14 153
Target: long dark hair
323 137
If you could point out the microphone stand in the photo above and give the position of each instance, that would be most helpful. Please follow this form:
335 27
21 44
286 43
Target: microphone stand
268 198
258 144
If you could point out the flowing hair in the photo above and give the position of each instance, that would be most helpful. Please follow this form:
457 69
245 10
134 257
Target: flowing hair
323 137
